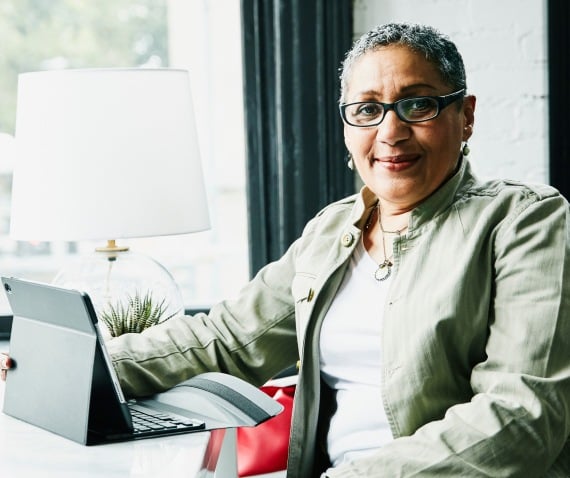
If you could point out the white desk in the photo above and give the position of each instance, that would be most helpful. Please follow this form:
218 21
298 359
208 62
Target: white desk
27 451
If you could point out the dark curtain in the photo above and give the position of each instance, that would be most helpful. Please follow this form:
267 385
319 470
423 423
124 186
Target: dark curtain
558 98
295 154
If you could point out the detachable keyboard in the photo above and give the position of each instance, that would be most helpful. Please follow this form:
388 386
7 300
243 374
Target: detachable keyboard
146 420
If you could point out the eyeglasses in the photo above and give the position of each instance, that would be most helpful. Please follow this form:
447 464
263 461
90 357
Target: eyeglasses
410 110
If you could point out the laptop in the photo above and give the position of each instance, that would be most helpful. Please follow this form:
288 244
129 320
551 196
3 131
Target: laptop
63 380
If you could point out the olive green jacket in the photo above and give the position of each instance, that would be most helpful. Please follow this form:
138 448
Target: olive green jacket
476 333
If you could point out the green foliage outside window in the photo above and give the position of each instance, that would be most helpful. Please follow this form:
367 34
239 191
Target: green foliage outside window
49 34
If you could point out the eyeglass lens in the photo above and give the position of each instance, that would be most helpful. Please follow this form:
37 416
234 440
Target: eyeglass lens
409 109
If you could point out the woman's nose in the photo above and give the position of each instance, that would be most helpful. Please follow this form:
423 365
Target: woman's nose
392 129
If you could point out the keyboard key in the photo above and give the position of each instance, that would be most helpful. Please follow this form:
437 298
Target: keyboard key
146 419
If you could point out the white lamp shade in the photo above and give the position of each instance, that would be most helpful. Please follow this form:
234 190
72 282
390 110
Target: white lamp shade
106 154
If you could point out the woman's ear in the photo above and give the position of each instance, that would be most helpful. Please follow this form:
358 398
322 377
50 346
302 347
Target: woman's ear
468 115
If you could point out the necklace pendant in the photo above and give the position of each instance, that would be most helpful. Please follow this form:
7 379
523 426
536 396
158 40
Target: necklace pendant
384 271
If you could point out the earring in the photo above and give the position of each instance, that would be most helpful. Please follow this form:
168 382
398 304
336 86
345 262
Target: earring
350 162
465 150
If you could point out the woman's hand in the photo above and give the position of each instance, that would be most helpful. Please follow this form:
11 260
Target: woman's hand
5 364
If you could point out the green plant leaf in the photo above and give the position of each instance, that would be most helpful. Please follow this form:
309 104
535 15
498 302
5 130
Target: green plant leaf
135 314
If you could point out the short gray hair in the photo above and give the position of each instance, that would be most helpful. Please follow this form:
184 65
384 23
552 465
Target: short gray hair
435 46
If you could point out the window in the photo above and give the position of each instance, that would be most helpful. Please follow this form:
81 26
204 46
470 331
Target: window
202 36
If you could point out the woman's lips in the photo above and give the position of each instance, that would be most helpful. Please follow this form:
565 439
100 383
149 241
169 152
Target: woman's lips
398 162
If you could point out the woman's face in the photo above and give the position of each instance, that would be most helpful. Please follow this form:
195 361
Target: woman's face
404 163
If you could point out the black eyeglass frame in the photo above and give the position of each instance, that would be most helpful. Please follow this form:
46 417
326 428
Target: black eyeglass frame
442 102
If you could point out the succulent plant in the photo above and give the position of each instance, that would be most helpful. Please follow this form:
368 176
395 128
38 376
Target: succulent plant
135 314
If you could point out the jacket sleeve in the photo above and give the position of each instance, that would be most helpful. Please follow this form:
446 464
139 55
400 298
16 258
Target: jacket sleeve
252 337
517 423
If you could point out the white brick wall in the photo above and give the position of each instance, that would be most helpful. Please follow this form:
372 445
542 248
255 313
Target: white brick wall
503 44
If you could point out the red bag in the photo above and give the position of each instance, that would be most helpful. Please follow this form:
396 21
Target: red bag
263 449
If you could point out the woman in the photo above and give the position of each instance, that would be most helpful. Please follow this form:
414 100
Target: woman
430 312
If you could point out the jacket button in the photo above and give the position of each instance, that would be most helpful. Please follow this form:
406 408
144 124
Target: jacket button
347 239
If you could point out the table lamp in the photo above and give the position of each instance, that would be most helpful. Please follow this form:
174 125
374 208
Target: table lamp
109 154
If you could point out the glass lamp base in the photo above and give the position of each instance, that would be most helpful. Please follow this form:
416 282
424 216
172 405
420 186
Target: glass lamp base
129 291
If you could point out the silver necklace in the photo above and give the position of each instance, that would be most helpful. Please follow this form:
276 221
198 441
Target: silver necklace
385 268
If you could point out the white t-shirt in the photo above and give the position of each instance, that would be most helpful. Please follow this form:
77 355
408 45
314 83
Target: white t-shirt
351 361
